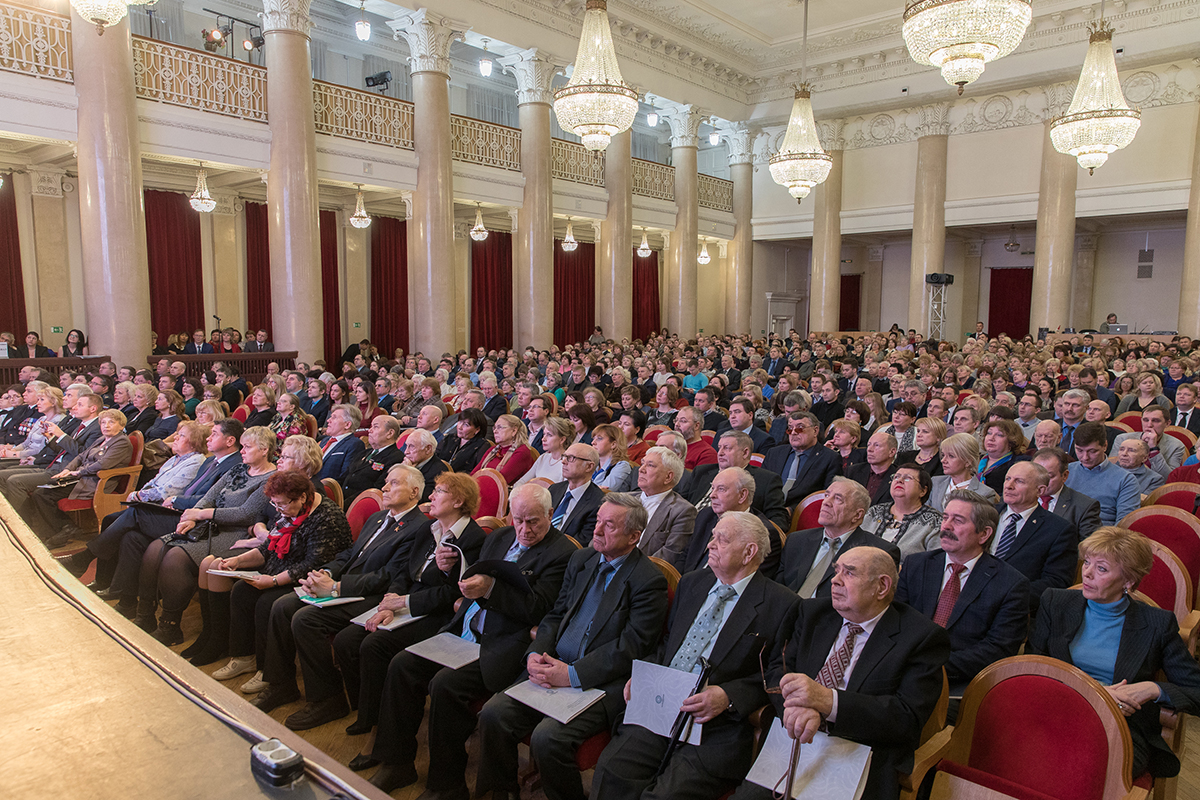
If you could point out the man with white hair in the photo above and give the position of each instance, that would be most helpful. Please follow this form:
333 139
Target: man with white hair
419 452
671 518
496 404
1048 433
1132 454
732 491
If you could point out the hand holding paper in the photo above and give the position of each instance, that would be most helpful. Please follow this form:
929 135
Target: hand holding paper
382 617
446 557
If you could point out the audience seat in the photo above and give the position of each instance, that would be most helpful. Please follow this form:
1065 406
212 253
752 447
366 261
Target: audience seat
1119 427
1178 531
333 491
1170 587
708 435
489 523
107 501
1178 494
935 739
807 510
1131 418
311 423
493 492
361 510
541 482
653 432
1183 435
241 413
756 459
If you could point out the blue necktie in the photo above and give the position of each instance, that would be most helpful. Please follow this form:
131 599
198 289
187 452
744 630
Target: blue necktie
1008 537
560 513
571 642
703 630
470 626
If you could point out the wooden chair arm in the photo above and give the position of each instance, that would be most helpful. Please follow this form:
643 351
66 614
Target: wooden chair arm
926 758
116 472
1189 629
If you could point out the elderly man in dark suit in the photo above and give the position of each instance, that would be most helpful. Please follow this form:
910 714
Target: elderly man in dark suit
610 611
734 450
1081 512
891 680
730 614
802 463
496 614
341 446
420 450
1040 545
809 556
576 500
876 473
369 469
732 490
982 602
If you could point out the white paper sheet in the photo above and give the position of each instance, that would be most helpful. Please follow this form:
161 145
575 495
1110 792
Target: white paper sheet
655 697
248 574
325 601
829 768
562 703
446 649
399 619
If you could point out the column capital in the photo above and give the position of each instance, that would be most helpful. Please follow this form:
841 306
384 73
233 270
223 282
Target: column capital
286 15
226 204
46 181
875 254
684 120
1086 242
722 248
974 249
1058 98
666 237
513 214
407 197
534 70
740 141
831 133
935 120
462 230
429 37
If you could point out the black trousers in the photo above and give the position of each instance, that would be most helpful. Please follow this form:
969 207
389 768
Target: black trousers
126 540
372 652
47 520
296 627
249 617
627 766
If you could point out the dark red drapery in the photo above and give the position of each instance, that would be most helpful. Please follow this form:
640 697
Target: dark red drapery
574 293
12 285
491 292
330 296
645 295
389 285
1009 302
173 255
258 268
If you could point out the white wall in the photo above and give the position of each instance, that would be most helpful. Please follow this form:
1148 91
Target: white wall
1145 305
897 259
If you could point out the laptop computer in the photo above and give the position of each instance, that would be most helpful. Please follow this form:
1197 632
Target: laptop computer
1118 329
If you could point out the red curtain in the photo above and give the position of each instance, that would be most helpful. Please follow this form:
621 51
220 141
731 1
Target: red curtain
491 292
258 268
851 301
645 295
389 285
330 296
173 253
12 286
1010 301
574 293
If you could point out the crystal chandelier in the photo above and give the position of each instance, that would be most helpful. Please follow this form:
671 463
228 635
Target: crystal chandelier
596 104
644 250
960 36
1099 120
1012 245
485 63
201 200
800 163
479 233
362 28
360 218
101 12
569 244
704 257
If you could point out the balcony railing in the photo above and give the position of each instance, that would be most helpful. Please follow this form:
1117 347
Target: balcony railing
571 161
478 142
653 180
716 193
180 76
362 116
35 42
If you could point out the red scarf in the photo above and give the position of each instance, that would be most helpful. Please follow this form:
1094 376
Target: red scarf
280 539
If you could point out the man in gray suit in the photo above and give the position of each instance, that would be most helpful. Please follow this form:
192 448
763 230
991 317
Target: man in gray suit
1081 511
258 344
672 519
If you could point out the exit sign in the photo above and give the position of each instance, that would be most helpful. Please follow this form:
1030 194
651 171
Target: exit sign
57 329
358 324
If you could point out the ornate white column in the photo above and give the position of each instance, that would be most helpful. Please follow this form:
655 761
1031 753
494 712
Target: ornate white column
1083 281
971 274
1054 251
740 267
431 226
824 308
614 256
929 210
292 202
681 285
1189 290
462 277
533 272
112 216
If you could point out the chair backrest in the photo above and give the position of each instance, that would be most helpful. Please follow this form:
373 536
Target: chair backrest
672 575
333 490
1131 418
489 523
402 438
1186 437
310 422
937 720
1168 583
493 492
1178 531
241 413
1120 427
756 459
541 482
1040 725
138 444
708 435
652 433
1179 494
361 510
807 511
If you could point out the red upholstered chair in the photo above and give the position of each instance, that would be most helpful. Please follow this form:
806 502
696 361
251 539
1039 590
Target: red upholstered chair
333 491
361 510
241 413
1170 587
1178 494
542 482
708 436
1186 437
493 493
402 438
653 432
1178 531
805 515
1131 418
935 739
489 523
756 459
112 486
1035 728
311 423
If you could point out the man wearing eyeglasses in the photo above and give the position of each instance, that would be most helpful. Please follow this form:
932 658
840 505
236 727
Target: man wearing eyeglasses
802 463
575 499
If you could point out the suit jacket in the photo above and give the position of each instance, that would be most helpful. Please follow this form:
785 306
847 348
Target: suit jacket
495 408
336 463
511 613
1193 421
190 349
75 443
820 468
627 625
103 454
1081 512
318 409
46 456
768 491
990 620
800 551
1045 552
369 571
141 421
891 691
580 523
861 473
431 469
1150 643
941 488
235 392
430 591
369 471
762 440
187 501
255 347
669 529
697 552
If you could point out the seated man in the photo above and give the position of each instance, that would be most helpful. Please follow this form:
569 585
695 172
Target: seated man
369 470
1040 545
730 614
17 482
1098 411
419 452
1132 455
802 463
734 450
893 658
340 447
1081 512
876 473
732 490
1047 434
982 602
429 418
688 422
1098 478
671 518
1166 452
575 499
610 611
741 418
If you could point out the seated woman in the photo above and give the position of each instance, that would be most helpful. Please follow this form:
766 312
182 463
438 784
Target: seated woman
557 436
1003 442
50 405
309 531
462 385
76 345
171 412
511 454
612 394
1148 391
594 399
1128 646
289 419
904 414
193 395
859 413
664 413
960 462
582 421
844 436
614 472
171 564
430 394
908 521
928 439
408 403
143 396
462 447
367 401
123 398
633 425
262 406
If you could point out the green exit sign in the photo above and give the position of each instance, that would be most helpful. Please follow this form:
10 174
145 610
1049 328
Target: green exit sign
702 330
358 324
57 329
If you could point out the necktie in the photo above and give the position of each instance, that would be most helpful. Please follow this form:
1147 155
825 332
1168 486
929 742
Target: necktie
330 442
1007 537
703 630
834 670
571 642
705 501
474 618
212 465
388 523
560 513
1068 437
797 461
820 564
1045 501
949 596
1183 421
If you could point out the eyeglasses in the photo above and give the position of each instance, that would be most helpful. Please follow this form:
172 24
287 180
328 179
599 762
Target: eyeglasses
570 459
800 428
902 478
